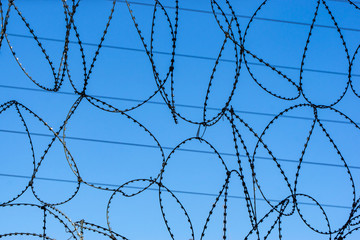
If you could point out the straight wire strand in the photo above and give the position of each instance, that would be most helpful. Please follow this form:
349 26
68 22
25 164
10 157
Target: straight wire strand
247 17
156 189
181 55
177 105
180 149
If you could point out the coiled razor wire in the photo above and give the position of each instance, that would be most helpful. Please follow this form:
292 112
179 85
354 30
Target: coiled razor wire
228 22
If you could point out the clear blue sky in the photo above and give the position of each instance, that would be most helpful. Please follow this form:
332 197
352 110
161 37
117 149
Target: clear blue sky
110 149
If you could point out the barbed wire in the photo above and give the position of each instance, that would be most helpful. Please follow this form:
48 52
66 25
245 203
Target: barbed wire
233 39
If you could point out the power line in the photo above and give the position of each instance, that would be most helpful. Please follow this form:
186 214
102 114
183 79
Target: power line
180 55
156 189
245 16
179 149
178 105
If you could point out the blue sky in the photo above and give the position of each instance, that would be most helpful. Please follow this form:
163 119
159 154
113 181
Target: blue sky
110 149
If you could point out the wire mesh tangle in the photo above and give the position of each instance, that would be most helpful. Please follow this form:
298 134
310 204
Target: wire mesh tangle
259 225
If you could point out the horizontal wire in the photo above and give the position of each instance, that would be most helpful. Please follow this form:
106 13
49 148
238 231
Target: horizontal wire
156 189
243 16
180 55
178 105
179 149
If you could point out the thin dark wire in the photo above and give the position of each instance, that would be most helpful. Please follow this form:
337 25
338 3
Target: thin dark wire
246 17
182 55
178 105
155 189
180 149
